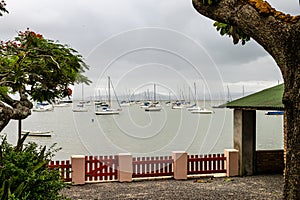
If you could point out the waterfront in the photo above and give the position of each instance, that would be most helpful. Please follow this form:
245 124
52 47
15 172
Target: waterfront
143 133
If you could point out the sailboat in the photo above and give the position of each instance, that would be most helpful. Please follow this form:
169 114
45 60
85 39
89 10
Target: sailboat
80 107
155 106
107 110
202 110
194 106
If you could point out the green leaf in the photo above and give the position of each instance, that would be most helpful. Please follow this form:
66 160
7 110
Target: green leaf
21 142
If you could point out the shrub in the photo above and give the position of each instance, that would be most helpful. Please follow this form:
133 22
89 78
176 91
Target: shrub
24 173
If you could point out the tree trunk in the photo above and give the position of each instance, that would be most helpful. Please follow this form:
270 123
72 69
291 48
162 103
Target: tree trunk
279 35
291 102
5 115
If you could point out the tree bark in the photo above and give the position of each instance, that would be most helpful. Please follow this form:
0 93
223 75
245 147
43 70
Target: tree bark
279 35
18 111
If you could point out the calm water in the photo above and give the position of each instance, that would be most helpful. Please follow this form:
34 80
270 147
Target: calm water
143 133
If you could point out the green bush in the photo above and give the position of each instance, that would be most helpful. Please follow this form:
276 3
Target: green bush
24 173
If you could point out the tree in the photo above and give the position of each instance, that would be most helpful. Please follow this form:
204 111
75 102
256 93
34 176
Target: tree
279 35
2 8
33 68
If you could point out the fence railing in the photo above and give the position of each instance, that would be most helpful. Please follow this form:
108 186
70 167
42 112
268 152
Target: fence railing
206 164
64 167
101 168
124 167
152 166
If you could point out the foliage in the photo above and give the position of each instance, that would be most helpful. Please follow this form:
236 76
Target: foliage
24 173
227 29
38 67
232 31
2 7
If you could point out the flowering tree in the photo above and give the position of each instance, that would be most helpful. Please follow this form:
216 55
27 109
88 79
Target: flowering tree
279 34
35 68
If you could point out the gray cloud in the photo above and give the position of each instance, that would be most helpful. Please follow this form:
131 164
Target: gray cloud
184 43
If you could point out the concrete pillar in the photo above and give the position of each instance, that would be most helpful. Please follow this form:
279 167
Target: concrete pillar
245 140
180 164
78 169
125 167
232 162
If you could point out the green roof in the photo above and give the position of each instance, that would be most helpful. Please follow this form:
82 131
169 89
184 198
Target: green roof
268 99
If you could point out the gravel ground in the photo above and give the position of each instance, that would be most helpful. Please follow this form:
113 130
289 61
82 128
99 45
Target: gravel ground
251 187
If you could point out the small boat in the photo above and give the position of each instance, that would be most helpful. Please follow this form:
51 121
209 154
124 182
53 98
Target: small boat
202 111
168 103
178 105
101 109
43 107
194 106
155 106
37 133
145 104
107 111
80 108
276 112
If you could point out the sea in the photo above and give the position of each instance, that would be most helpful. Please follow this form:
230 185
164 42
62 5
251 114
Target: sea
143 133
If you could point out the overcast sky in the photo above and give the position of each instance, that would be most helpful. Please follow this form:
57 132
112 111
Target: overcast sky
141 42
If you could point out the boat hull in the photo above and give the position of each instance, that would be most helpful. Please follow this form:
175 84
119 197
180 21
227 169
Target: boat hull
37 133
202 111
116 112
274 113
154 109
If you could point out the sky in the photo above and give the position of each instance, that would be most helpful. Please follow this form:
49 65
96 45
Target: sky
139 43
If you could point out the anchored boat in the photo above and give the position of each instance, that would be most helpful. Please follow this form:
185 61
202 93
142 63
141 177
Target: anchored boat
37 133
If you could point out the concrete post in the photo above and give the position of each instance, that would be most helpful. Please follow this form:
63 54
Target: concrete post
180 164
232 162
125 167
245 140
78 169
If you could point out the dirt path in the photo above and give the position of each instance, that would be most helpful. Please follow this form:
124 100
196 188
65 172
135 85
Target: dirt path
251 187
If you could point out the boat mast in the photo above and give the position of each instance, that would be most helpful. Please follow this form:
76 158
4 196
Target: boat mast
154 93
195 93
204 95
109 98
82 93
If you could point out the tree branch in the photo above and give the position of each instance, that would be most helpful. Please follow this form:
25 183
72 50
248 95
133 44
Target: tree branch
272 29
8 100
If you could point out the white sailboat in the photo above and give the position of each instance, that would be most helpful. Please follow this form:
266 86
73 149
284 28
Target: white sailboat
194 106
202 110
155 106
80 107
107 110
